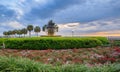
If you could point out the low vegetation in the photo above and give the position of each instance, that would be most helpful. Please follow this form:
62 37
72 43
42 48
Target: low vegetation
43 43
116 43
86 56
80 54
11 64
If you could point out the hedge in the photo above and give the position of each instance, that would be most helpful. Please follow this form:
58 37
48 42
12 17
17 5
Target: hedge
104 40
116 43
18 64
52 43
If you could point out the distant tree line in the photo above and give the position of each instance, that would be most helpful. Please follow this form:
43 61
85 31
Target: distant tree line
50 28
24 31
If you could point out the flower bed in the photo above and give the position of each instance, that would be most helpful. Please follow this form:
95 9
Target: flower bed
11 64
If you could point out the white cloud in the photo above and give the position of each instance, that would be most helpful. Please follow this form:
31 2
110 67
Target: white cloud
69 25
87 28
22 0
15 25
19 12
109 26
41 1
12 24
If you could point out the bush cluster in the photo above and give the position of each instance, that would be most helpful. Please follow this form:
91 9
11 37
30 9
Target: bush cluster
52 43
12 64
104 40
116 43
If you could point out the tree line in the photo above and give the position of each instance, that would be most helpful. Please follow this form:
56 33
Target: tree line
49 28
24 31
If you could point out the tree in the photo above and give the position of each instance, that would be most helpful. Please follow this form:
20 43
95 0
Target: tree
37 30
50 28
14 32
9 33
19 32
24 31
30 28
5 33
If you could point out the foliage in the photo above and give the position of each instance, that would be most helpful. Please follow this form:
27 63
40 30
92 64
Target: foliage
37 29
19 32
24 31
50 28
30 28
11 64
116 43
5 33
52 43
103 39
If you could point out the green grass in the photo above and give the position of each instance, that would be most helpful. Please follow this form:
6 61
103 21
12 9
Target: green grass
116 43
12 64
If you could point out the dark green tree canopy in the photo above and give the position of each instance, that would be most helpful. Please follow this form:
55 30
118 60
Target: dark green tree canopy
19 32
14 32
5 33
24 31
37 29
30 27
50 28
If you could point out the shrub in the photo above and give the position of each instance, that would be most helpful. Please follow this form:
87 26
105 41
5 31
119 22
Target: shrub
104 40
116 43
52 43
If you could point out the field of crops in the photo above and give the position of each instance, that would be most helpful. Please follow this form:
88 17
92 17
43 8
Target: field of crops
43 43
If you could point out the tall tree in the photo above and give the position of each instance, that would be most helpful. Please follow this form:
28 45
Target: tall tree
24 31
9 33
30 28
5 33
37 30
19 32
14 32
50 28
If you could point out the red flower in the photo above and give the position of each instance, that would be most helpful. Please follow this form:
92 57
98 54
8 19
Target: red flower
117 49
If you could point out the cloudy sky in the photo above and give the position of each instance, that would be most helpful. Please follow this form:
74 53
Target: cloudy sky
84 17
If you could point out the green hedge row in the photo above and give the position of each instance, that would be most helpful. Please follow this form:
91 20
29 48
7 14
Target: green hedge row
104 40
11 64
53 43
41 44
116 43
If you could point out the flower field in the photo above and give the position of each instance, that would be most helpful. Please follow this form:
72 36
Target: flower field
77 60
89 56
12 64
